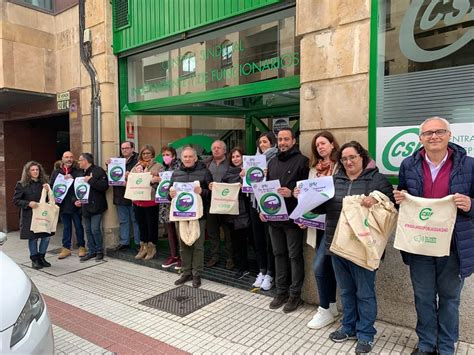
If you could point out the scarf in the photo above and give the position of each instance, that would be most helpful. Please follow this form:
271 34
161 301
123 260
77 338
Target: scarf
145 164
324 168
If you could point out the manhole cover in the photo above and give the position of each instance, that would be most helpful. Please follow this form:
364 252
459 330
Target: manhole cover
182 300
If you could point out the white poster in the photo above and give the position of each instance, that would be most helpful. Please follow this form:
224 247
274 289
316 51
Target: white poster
394 144
116 172
81 189
254 166
185 200
163 187
61 186
272 204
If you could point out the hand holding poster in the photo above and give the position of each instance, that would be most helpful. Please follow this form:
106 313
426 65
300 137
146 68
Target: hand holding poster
184 204
254 166
82 189
163 187
60 187
116 172
271 203
313 193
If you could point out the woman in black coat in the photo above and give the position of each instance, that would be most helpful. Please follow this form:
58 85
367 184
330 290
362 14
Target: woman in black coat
26 197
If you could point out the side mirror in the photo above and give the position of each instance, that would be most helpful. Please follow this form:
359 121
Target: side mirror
3 238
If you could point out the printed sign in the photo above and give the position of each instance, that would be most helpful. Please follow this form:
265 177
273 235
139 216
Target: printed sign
163 188
81 189
394 144
61 186
254 166
271 203
116 172
313 193
185 201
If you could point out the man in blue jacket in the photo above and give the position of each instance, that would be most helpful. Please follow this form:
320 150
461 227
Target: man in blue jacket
438 169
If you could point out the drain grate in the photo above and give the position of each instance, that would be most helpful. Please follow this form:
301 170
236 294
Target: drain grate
182 300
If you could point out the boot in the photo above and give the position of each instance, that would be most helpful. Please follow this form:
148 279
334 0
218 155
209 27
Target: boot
142 252
35 263
65 252
150 251
43 261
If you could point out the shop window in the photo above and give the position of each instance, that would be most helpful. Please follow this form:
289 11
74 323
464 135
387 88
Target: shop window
226 56
263 45
188 64
120 14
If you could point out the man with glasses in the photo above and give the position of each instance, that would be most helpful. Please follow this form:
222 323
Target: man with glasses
124 206
289 166
438 169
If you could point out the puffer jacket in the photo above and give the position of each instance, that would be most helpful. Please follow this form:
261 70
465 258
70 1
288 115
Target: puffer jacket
67 205
198 172
288 167
461 181
97 202
119 191
369 180
242 220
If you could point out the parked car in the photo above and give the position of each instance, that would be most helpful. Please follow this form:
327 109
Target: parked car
25 327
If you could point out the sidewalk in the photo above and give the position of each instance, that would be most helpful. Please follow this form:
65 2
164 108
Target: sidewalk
97 310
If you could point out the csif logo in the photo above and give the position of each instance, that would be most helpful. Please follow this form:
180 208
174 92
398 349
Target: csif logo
425 214
399 147
366 222
225 192
184 202
270 203
139 181
44 214
116 173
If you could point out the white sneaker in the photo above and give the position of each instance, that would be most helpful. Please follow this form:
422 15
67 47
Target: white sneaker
333 309
322 318
259 280
267 283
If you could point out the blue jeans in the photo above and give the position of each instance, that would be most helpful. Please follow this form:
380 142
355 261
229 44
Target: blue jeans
43 245
94 234
68 219
324 274
359 305
127 216
438 317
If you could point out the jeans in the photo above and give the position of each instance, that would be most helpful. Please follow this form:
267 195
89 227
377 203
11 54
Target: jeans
147 218
239 244
214 222
287 245
94 234
127 216
43 245
68 219
324 273
359 304
437 288
192 256
263 244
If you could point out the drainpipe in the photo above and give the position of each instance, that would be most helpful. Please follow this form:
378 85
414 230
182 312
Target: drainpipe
85 49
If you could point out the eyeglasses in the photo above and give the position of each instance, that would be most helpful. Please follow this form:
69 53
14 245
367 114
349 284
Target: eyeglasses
439 133
147 153
351 158
125 148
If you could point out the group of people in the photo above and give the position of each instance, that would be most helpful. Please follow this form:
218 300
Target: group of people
437 169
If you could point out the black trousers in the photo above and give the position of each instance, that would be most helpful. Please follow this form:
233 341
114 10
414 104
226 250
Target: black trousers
147 219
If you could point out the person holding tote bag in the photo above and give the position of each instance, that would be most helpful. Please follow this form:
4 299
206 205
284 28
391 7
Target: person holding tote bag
26 197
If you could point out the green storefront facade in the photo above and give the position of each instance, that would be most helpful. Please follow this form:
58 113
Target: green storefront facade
192 71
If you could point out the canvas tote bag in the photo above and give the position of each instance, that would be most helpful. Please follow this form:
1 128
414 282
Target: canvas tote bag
138 187
425 225
225 198
45 216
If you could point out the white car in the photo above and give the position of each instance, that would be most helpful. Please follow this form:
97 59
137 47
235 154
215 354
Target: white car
25 327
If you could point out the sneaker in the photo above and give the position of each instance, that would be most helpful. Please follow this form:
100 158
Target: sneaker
239 275
322 318
278 301
229 265
339 336
259 280
267 283
99 257
65 252
87 257
82 252
364 347
178 265
292 304
333 309
169 262
183 279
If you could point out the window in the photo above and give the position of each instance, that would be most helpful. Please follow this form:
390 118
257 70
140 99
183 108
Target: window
188 64
42 4
226 56
120 14
155 73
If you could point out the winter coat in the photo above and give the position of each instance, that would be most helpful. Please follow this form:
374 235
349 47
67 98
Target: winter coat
242 220
99 184
67 205
154 168
119 191
198 172
22 196
288 167
461 181
369 180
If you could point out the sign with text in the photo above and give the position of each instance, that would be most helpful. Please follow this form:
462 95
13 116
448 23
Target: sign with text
271 203
254 166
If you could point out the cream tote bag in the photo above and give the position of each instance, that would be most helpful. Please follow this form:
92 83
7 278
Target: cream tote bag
225 198
138 187
45 216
